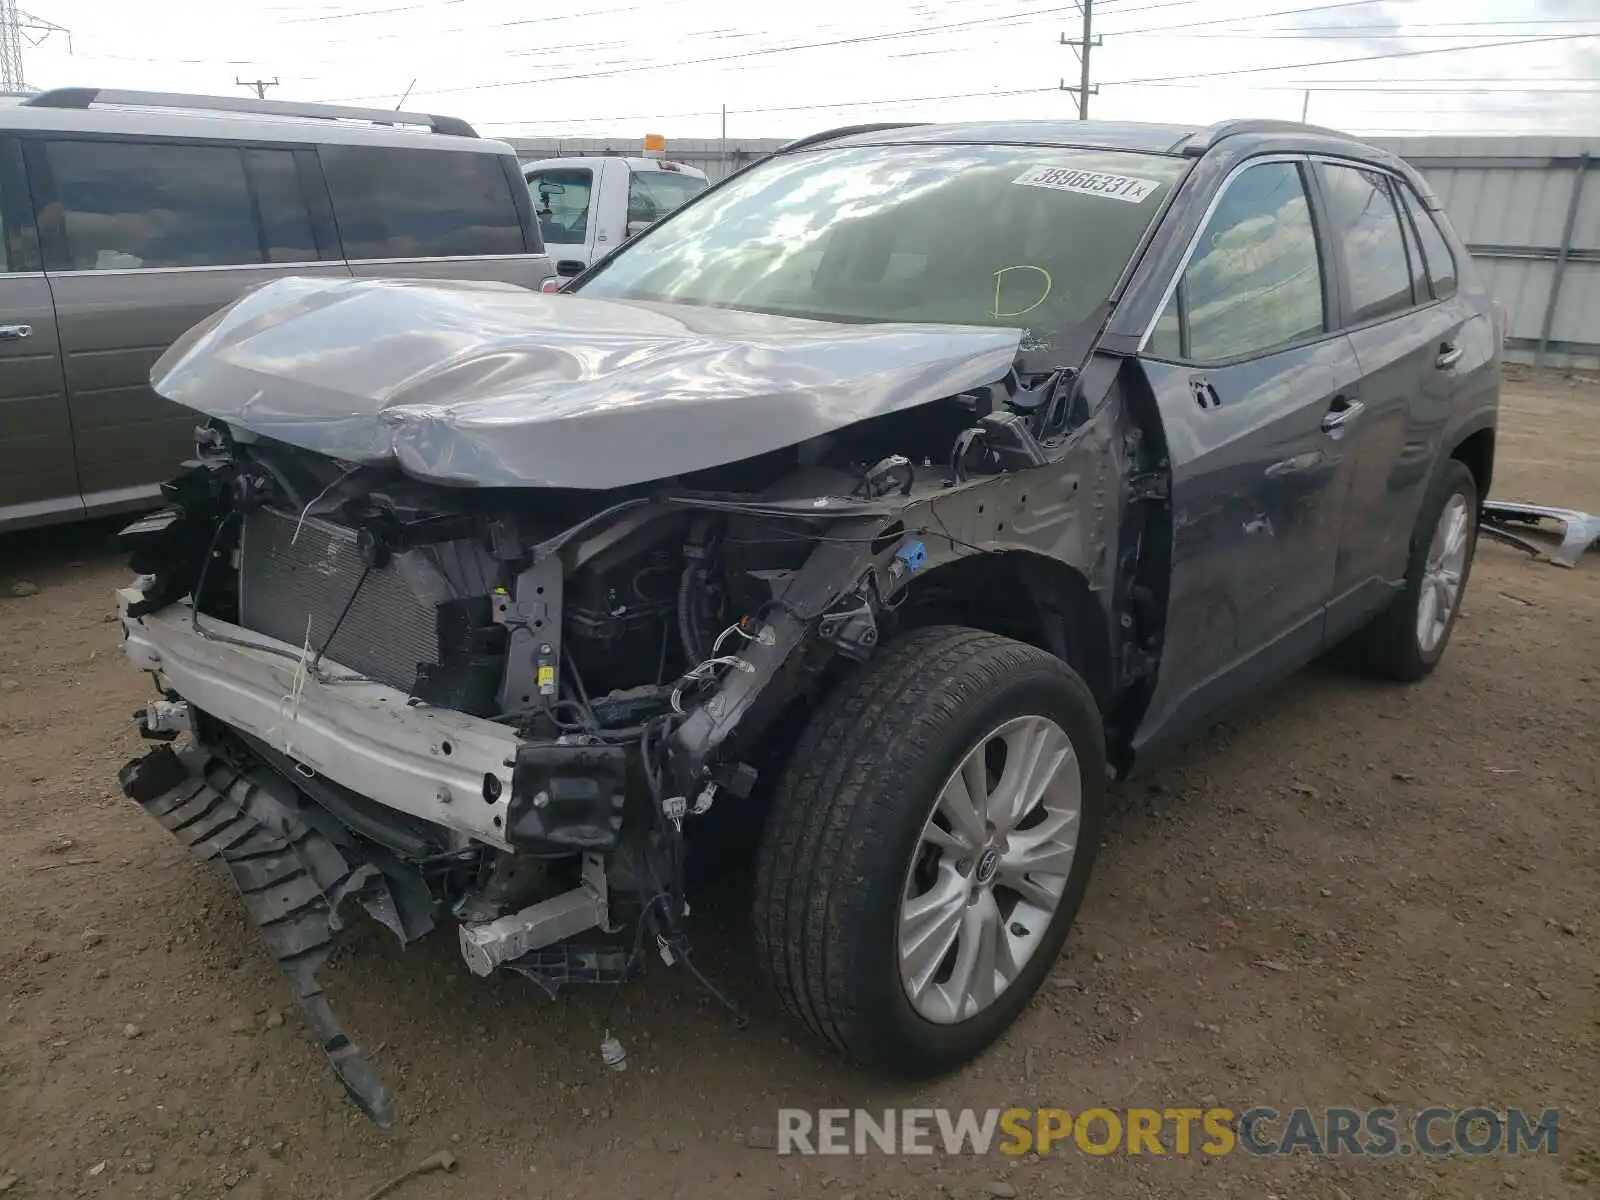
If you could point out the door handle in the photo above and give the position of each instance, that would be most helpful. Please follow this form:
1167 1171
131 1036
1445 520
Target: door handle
15 333
1449 356
1343 412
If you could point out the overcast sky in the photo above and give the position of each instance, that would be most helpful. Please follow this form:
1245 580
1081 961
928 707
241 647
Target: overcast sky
622 68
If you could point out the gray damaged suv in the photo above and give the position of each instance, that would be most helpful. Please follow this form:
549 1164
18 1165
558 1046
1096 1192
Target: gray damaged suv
885 501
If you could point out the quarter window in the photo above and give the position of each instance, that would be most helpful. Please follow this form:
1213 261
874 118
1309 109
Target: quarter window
1254 283
1436 254
1366 228
421 203
142 204
561 202
1419 273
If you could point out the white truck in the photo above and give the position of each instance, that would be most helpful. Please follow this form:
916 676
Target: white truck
588 205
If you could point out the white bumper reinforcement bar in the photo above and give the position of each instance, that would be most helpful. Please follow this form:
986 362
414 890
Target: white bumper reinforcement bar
433 763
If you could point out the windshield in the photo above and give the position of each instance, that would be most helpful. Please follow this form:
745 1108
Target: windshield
561 202
1020 236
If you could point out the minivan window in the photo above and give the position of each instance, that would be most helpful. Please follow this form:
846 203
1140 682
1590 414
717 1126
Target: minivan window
1254 283
1367 229
1436 254
653 194
1029 237
285 219
561 202
128 205
421 203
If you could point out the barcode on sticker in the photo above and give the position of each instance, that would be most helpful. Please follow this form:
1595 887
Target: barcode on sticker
1089 183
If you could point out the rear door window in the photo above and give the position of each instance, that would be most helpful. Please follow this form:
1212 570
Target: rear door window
1254 283
1366 228
129 205
653 194
392 203
561 198
1440 263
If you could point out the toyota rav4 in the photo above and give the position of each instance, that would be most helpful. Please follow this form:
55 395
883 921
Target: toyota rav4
885 501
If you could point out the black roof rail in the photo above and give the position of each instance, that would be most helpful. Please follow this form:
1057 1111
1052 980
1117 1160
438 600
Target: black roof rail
1195 144
82 97
828 135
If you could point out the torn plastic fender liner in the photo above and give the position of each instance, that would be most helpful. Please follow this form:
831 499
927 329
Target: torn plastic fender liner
292 878
484 384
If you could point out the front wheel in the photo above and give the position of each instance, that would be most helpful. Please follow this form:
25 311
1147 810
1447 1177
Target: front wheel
929 847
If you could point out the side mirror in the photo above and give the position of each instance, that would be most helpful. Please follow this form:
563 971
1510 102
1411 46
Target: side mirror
568 268
635 228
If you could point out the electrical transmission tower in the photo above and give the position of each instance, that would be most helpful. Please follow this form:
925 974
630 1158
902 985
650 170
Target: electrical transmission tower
17 27
1081 47
258 86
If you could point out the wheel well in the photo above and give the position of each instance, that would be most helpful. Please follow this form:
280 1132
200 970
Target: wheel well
1019 595
1476 450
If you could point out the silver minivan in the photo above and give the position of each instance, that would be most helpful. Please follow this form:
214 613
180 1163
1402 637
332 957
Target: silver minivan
127 217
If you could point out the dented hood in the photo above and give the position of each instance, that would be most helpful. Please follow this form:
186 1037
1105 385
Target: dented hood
493 385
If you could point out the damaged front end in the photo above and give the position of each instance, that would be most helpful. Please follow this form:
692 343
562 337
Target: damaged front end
515 707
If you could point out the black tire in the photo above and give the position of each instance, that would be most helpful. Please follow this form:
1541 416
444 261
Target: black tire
1389 646
849 813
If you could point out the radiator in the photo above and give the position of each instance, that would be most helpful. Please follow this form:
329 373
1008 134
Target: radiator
293 588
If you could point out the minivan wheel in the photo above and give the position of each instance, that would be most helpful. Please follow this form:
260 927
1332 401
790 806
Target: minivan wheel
928 848
1407 641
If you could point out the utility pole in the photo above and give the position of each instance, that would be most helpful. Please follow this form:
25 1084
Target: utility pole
1305 107
1081 47
13 23
258 86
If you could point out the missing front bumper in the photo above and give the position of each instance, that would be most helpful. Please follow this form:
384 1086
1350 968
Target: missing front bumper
293 880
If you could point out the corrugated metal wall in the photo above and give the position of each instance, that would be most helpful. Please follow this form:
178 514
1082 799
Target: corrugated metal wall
1529 210
1527 207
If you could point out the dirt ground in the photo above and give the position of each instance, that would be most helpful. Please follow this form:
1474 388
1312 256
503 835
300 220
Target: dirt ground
1349 894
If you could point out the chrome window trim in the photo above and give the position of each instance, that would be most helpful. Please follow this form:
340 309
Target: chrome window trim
339 264
206 268
445 258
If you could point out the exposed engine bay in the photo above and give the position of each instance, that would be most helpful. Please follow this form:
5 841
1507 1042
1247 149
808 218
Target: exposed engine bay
517 707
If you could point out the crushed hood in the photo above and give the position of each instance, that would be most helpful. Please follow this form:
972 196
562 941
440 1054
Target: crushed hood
493 385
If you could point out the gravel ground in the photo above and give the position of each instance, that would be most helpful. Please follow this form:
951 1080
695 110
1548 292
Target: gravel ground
1348 894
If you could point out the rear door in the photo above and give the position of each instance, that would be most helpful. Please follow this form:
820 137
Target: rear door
143 238
566 202
1409 348
1246 364
38 478
433 214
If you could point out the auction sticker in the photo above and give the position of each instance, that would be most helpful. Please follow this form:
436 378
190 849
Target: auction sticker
1090 183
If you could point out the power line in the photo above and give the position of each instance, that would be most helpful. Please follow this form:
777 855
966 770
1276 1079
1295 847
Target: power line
1367 87
1362 58
368 12
1282 12
859 39
1333 36
1033 91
